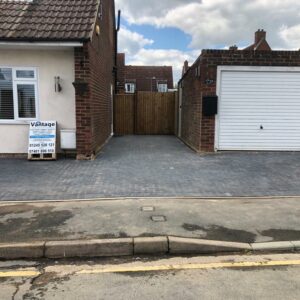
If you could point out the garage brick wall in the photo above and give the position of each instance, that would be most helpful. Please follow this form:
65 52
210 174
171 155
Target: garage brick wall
199 131
94 65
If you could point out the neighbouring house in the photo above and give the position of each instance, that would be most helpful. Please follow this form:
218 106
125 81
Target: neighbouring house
131 79
57 62
241 99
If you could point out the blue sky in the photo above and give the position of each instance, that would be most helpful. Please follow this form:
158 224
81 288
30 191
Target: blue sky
164 38
168 32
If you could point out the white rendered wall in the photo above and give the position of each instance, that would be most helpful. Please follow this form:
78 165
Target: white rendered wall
58 107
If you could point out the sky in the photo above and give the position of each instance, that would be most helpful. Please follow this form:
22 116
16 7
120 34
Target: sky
168 32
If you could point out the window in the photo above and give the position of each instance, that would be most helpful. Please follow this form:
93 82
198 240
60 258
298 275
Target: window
130 88
18 94
162 87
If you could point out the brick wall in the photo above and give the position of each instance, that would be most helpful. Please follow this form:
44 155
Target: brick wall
199 131
146 78
191 111
94 65
120 72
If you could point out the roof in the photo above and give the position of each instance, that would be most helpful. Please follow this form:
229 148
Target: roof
260 42
47 20
143 75
262 45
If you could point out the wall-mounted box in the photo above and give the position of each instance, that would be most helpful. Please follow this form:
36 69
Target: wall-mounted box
210 106
68 139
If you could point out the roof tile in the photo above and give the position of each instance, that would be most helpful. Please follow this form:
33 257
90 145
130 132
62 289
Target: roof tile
47 19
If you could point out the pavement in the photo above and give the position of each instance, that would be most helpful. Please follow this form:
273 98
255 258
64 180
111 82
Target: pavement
242 220
191 278
152 166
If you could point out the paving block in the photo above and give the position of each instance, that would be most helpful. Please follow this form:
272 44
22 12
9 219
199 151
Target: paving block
179 245
273 246
296 245
89 248
22 250
151 245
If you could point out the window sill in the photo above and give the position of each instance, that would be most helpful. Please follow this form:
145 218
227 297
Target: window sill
17 122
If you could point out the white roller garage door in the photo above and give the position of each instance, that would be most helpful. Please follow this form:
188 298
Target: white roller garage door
259 109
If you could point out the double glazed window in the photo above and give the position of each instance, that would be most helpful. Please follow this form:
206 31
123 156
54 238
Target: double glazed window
130 88
162 87
18 94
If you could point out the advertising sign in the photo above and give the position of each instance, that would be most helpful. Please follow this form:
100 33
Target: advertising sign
42 137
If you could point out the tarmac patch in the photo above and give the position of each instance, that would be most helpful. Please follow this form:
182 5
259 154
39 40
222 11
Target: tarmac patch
282 234
220 233
42 222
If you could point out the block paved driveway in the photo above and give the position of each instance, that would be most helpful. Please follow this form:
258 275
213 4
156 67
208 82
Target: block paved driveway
146 166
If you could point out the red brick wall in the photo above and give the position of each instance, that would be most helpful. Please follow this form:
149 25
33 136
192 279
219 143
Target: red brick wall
191 110
94 65
121 72
143 77
201 137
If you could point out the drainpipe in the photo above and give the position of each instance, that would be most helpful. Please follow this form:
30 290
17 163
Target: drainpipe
116 50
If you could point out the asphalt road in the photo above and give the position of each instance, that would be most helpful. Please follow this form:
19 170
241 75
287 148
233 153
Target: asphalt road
226 277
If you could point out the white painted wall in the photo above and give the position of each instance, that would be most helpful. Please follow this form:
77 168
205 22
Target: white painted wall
52 106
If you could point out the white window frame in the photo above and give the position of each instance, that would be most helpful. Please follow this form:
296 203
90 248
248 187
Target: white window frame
24 81
132 87
165 85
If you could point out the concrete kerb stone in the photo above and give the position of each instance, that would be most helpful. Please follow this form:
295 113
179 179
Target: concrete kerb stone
178 245
296 245
22 250
136 246
89 248
151 245
273 246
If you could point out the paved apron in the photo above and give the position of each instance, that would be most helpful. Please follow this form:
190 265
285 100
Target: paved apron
152 166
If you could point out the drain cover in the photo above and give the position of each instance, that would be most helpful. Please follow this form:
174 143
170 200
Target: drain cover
148 208
158 218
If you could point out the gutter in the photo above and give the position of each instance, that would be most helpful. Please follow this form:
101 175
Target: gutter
41 44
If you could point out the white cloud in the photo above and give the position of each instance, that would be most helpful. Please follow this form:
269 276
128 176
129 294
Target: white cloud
131 42
136 10
291 35
210 23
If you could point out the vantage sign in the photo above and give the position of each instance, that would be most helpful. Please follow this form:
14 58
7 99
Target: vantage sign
42 139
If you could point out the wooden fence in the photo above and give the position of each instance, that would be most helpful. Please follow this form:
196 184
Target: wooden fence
145 113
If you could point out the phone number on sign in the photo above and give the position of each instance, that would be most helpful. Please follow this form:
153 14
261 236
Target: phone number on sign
42 151
45 145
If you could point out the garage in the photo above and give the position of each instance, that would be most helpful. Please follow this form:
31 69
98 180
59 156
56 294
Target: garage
257 92
259 108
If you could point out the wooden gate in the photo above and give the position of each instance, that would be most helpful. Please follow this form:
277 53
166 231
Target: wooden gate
145 113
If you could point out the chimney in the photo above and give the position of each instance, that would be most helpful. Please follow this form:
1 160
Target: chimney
259 35
233 48
121 59
185 67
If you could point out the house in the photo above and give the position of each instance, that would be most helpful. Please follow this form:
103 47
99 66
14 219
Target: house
131 79
57 62
241 99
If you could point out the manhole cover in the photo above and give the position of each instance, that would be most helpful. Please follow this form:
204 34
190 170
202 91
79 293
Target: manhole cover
158 218
148 208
